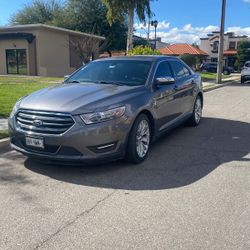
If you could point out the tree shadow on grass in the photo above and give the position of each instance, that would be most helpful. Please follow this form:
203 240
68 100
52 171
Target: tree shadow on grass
179 158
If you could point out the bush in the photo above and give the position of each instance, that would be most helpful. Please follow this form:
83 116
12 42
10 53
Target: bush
243 53
190 60
143 50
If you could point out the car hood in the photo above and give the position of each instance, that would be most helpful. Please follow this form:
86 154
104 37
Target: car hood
79 98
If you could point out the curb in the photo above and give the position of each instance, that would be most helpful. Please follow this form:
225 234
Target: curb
217 86
4 145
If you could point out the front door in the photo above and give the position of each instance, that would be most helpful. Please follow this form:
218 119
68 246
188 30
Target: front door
16 61
184 86
165 105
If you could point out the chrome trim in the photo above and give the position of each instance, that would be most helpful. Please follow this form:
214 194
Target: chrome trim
53 123
106 146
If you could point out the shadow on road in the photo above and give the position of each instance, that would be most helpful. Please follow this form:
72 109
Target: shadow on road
179 158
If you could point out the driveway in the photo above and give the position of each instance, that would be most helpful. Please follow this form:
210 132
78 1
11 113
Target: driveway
193 191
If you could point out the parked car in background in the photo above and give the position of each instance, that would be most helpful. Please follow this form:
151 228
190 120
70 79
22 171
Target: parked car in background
110 108
245 73
212 68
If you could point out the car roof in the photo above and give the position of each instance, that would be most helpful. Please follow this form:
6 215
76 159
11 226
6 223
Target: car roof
140 58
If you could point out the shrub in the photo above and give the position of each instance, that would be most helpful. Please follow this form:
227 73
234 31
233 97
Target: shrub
190 60
143 50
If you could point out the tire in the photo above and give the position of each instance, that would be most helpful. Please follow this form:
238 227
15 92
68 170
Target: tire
242 80
226 72
195 118
136 152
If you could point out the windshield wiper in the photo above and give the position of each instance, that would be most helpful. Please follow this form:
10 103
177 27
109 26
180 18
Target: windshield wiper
110 82
75 81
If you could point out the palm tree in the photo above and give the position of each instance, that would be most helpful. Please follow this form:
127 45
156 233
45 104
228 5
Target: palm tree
118 9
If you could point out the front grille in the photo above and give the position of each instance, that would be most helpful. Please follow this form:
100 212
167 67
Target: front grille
43 122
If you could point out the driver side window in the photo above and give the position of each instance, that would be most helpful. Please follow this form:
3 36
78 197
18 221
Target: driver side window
163 70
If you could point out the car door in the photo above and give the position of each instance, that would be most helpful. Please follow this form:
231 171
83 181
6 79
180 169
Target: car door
184 86
165 105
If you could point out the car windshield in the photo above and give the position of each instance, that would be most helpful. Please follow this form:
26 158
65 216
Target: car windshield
122 72
247 65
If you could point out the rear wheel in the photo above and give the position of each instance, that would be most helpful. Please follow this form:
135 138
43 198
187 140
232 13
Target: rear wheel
226 72
197 112
139 139
242 80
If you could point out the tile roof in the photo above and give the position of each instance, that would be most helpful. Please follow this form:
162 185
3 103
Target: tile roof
230 52
181 49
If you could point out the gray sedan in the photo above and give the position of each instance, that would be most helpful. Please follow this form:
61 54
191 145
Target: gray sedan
108 109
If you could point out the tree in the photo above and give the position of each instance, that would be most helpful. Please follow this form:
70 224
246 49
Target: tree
243 55
90 16
85 48
118 10
190 60
39 11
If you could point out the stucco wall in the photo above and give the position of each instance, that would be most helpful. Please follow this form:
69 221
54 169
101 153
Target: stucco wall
11 44
52 53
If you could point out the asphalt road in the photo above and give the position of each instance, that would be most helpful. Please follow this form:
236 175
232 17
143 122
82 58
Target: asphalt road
193 191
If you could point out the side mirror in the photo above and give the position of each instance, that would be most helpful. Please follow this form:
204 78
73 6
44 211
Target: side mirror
66 77
164 80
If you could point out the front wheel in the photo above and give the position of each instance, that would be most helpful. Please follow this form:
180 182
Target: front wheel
242 80
139 139
197 112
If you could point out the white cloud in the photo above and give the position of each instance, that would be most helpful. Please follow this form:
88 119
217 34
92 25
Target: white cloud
246 1
161 25
188 33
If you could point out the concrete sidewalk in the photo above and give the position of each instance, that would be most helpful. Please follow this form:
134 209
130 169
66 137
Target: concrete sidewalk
210 85
3 124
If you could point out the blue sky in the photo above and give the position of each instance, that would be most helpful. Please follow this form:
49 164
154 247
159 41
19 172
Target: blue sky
180 20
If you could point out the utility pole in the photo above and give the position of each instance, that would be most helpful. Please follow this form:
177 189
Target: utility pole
221 43
148 33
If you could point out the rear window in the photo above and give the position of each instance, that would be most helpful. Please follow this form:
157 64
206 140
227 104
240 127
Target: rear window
247 64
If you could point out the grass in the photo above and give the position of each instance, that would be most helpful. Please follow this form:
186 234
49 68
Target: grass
4 134
211 76
13 88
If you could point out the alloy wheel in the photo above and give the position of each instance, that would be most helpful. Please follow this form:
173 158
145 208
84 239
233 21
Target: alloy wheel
142 138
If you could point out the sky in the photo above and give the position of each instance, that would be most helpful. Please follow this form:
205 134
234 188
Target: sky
179 20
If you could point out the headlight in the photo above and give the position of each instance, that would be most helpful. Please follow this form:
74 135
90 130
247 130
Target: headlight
15 109
103 115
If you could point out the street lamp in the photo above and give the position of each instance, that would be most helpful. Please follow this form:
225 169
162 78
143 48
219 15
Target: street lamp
155 24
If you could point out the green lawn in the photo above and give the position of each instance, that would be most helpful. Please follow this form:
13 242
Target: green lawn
211 76
3 134
12 88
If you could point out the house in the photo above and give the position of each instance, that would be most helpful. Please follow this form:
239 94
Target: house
44 50
179 49
210 45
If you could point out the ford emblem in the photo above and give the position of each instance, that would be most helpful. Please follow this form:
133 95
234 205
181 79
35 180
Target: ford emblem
37 123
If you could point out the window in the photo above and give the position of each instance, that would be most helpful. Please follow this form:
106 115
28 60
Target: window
232 45
179 69
16 61
163 70
215 46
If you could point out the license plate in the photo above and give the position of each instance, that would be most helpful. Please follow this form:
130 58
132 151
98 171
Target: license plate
34 142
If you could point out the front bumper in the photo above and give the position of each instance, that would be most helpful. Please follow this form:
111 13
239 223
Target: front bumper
245 77
81 143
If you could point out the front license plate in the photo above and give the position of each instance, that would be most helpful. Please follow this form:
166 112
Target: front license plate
34 142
